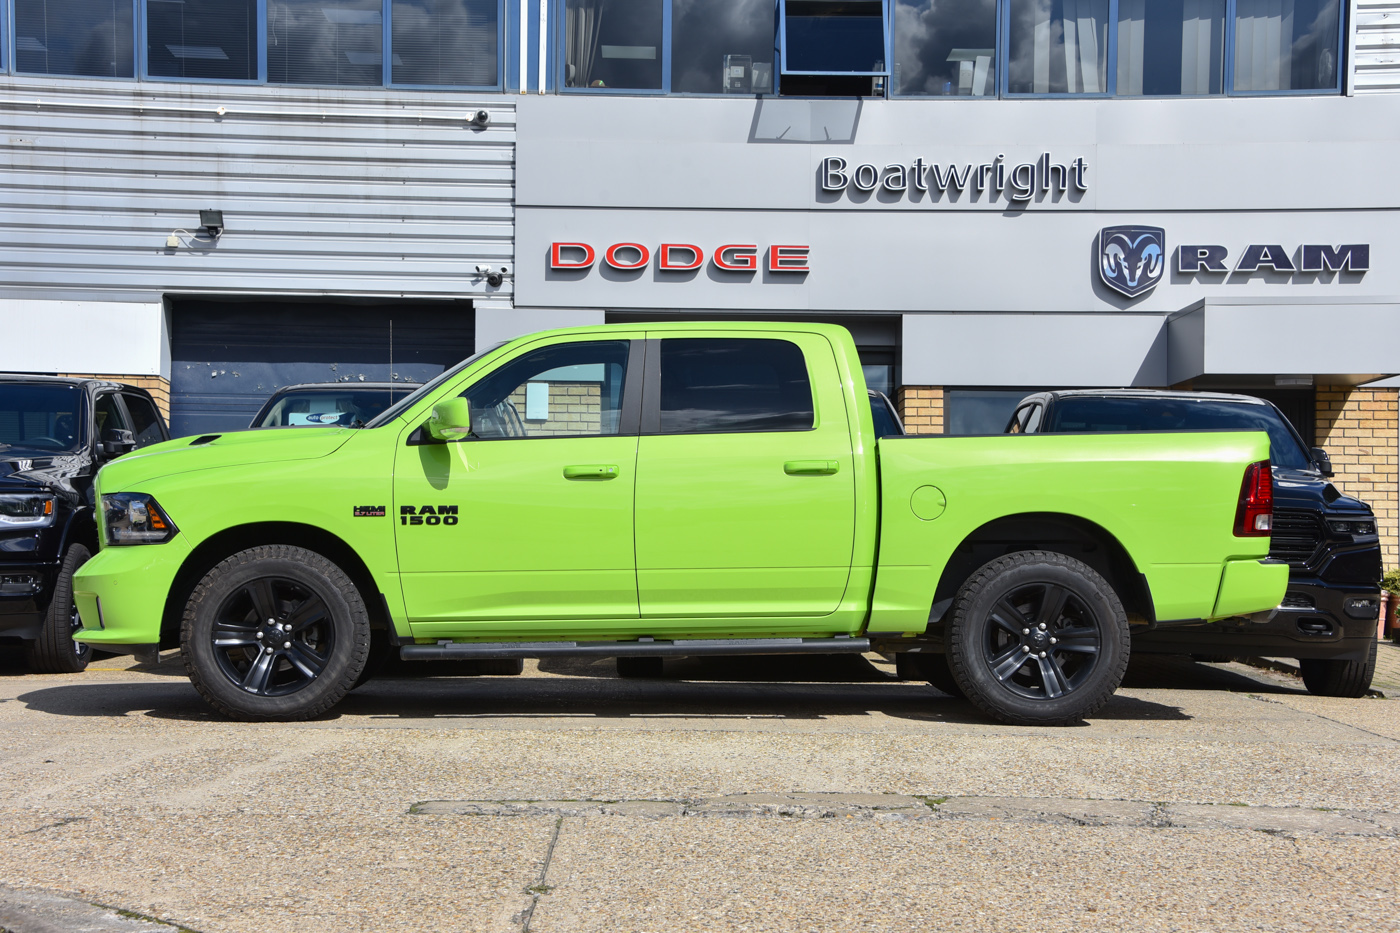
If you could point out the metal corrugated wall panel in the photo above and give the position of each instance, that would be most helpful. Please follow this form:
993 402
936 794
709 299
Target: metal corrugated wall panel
1376 60
324 191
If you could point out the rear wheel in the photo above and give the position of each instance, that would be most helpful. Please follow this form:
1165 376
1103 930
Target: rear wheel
55 651
1326 678
931 667
1037 638
275 633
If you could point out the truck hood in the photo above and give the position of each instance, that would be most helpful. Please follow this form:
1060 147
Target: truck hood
1309 489
214 451
47 474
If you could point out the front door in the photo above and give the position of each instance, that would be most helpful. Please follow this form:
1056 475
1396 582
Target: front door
745 488
529 520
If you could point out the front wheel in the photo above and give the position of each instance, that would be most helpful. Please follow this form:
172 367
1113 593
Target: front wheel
1038 638
55 651
275 633
1331 678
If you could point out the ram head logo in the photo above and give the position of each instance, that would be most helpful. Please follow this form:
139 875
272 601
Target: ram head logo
1132 259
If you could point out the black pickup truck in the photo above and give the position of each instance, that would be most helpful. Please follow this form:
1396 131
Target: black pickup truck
1328 618
54 436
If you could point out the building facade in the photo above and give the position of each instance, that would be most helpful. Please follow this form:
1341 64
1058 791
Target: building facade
996 196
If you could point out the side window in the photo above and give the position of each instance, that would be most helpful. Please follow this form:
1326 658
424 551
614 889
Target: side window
728 386
1018 421
1032 424
109 415
145 420
566 390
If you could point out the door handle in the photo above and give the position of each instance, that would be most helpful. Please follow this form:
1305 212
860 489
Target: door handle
591 471
811 467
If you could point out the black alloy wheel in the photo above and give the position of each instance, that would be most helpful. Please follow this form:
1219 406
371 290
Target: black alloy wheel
1038 638
275 633
272 637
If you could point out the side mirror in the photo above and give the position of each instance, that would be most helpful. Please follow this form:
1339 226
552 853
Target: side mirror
116 441
1324 462
451 420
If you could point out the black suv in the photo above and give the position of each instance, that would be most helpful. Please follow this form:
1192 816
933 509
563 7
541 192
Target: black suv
1327 619
54 436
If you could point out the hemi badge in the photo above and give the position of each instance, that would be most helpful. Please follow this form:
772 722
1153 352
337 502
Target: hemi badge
370 511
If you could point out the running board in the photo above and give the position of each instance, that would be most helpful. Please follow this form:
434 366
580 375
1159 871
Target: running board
644 648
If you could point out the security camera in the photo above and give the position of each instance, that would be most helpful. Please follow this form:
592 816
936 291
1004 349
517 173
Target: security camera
494 279
481 117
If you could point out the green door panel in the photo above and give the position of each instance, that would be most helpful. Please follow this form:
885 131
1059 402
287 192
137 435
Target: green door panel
749 524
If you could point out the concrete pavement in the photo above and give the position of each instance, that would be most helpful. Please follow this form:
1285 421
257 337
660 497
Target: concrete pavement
1205 797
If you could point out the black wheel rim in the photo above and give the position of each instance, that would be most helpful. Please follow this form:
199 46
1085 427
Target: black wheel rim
1042 641
273 637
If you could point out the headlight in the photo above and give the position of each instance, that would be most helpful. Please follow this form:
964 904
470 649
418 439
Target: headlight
1361 526
135 518
26 511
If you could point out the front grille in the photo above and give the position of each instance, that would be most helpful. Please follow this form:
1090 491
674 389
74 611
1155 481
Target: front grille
1297 535
1358 568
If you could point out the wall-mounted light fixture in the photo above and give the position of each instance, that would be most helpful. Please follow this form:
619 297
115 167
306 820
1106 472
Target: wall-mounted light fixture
212 222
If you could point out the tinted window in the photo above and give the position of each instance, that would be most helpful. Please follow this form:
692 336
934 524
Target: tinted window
724 386
109 415
565 390
315 42
1058 47
39 418
1285 44
444 42
1171 46
886 424
945 49
343 406
981 411
834 36
722 46
145 420
215 39
1175 414
612 43
75 37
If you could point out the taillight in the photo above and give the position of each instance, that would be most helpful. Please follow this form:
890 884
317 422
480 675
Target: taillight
1255 516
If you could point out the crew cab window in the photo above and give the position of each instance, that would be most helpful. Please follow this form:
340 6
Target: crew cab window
109 415
565 390
731 386
145 420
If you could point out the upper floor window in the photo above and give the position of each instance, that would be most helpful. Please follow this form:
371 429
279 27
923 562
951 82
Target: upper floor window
1286 45
87 38
1058 47
613 44
320 42
722 46
208 39
444 43
1168 47
945 50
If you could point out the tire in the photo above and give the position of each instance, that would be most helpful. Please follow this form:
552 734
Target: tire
932 668
649 668
55 651
1326 678
1000 633
380 651
243 603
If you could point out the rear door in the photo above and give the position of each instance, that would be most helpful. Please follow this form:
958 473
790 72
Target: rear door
745 480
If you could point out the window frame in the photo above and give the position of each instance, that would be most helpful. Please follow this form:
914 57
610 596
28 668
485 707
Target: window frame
1340 47
560 54
999 78
143 53
887 34
388 46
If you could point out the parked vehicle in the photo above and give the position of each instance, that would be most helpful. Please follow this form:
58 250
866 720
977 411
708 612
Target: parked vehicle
54 434
670 490
1327 619
327 403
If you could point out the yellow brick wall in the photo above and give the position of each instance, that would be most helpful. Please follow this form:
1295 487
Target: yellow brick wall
574 408
1358 429
921 409
158 386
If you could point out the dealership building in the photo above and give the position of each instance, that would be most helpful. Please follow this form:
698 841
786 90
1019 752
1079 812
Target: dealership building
215 198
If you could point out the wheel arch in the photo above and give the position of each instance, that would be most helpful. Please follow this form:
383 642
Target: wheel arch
242 537
1065 534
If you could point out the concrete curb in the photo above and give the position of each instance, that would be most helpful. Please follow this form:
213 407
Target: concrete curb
29 910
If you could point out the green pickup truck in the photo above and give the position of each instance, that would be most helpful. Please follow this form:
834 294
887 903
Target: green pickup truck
670 490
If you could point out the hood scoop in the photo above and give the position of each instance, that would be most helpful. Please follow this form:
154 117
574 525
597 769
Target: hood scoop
205 439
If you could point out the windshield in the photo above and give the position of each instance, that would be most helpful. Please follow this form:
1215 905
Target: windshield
341 405
43 418
408 401
1147 413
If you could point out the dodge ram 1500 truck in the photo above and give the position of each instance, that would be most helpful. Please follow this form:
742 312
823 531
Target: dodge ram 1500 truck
644 491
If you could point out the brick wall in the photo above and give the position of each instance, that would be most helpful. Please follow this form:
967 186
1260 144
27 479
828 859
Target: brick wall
921 409
574 408
158 386
1358 428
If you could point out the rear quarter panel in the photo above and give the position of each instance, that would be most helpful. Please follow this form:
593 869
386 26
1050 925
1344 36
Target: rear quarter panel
1170 500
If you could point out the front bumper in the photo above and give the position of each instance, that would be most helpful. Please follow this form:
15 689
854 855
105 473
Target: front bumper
121 592
1312 623
25 591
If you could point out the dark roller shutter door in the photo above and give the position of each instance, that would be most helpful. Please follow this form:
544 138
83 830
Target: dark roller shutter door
228 357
